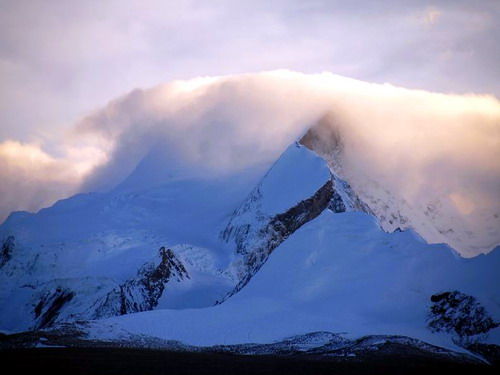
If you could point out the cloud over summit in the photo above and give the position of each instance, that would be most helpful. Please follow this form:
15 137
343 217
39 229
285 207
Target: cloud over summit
422 147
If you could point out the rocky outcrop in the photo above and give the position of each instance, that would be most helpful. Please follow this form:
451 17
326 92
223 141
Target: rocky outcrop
325 139
345 199
50 305
460 315
283 225
6 250
143 292
65 300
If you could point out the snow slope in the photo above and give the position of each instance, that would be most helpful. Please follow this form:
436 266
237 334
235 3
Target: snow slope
338 273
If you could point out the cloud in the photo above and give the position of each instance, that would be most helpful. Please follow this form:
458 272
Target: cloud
438 153
424 148
31 178
60 59
431 16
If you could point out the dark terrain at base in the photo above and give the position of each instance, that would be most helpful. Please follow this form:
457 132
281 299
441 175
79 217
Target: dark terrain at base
126 361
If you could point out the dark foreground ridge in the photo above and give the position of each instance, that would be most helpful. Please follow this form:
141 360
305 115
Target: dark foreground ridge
128 361
69 350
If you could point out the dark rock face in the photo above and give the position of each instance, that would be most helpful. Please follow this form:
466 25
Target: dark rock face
288 222
6 250
344 198
143 292
151 283
325 139
459 314
336 203
50 305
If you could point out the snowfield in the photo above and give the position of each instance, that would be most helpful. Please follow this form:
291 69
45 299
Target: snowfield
338 273
251 257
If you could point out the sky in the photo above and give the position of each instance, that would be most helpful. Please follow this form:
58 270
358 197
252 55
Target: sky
63 64
60 60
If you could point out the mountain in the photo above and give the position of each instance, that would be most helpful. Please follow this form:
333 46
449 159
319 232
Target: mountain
94 255
248 257
430 216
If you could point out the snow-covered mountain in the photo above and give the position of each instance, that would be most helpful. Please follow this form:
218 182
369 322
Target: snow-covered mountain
248 257
431 218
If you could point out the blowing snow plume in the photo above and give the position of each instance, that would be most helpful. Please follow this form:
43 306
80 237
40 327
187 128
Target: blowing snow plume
420 159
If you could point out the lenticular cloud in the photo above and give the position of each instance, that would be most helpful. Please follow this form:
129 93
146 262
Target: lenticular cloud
436 155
